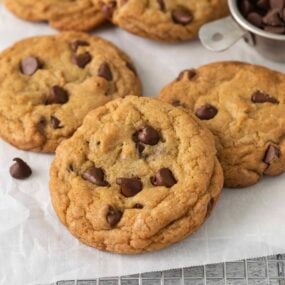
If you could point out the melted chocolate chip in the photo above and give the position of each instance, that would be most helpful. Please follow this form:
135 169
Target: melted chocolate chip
176 103
147 135
114 216
130 186
76 44
30 65
105 71
55 122
57 95
82 60
272 153
138 206
20 169
161 5
261 97
182 15
163 177
140 147
96 176
206 112
191 73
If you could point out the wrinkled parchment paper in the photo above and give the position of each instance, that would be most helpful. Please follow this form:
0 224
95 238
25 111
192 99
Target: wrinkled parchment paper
35 248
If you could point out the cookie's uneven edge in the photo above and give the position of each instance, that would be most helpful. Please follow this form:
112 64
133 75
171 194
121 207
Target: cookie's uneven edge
165 29
41 144
232 178
86 21
172 233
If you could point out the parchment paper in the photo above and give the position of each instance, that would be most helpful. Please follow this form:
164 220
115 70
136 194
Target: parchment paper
36 248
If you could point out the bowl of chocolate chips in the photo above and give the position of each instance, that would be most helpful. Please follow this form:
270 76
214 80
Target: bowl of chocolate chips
261 23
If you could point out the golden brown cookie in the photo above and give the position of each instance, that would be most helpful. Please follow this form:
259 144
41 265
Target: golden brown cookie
78 15
138 175
48 84
167 20
244 106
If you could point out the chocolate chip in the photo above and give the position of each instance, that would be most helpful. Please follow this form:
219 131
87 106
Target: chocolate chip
55 122
246 7
273 18
78 43
105 71
261 97
272 153
147 135
30 65
138 206
57 95
275 30
130 186
140 147
20 169
131 67
206 112
113 216
163 177
108 9
263 4
191 73
176 103
255 19
82 60
277 4
161 5
96 176
182 15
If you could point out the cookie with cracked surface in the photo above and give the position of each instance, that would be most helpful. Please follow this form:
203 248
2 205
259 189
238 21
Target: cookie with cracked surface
167 20
137 176
78 15
244 106
48 84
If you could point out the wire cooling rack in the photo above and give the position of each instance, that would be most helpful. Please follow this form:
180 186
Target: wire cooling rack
259 271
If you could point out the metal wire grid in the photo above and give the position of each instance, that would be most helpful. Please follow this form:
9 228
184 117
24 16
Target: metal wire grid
260 271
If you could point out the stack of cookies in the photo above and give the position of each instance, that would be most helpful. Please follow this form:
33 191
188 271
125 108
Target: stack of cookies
134 174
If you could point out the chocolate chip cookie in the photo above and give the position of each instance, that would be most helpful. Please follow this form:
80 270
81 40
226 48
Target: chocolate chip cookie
138 175
167 20
244 106
78 15
48 84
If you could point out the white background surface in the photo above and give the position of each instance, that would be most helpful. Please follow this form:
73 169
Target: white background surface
36 248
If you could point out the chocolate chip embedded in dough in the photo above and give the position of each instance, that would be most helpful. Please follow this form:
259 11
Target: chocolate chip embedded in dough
182 15
272 153
164 177
262 97
113 216
105 71
206 112
30 65
96 176
130 186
